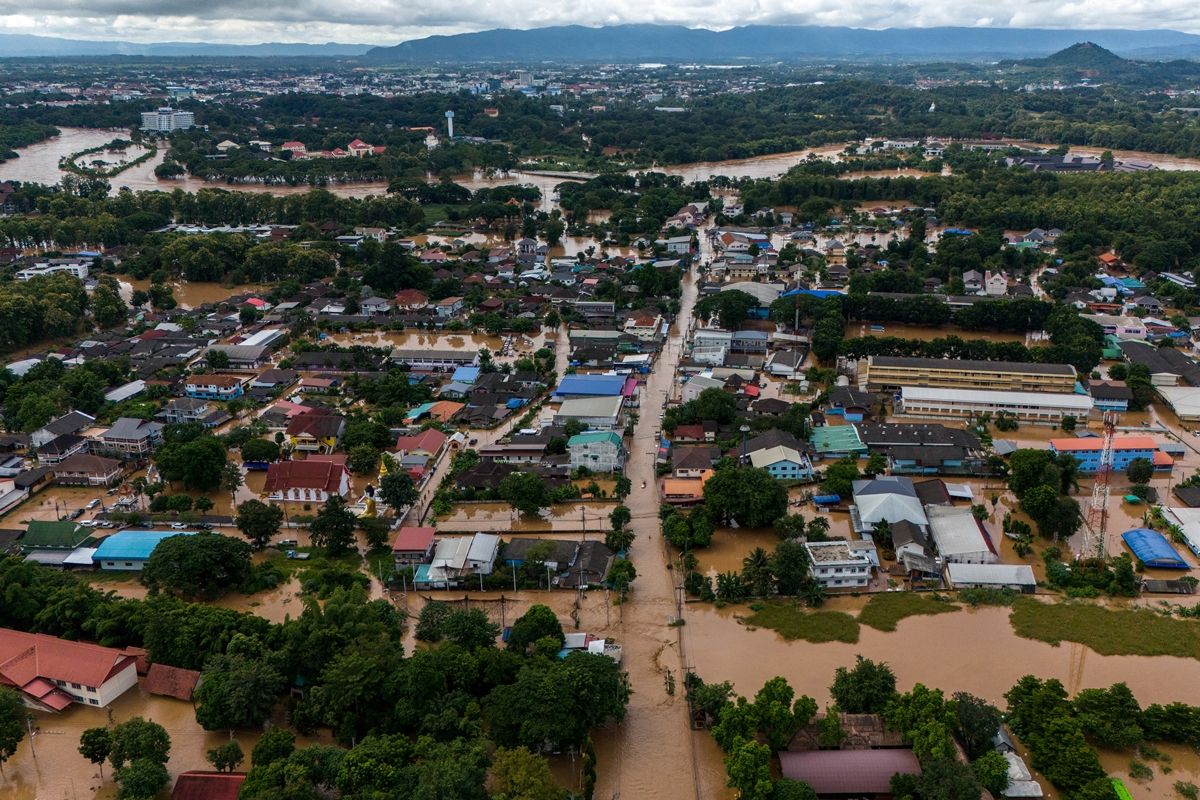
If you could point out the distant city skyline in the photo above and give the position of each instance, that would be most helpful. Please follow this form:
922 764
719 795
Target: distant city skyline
391 21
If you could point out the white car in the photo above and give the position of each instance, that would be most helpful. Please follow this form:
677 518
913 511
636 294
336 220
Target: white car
178 526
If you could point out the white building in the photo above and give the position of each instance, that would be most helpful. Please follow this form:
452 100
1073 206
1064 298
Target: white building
597 413
167 119
599 451
71 266
1018 577
840 564
697 384
1044 407
959 537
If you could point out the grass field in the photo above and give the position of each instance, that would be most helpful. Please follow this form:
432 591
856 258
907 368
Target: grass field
1107 631
795 622
883 611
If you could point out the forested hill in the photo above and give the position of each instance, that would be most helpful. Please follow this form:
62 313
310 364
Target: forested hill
575 43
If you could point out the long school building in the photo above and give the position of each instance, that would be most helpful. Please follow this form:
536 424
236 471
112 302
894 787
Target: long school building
890 373
1125 449
1043 407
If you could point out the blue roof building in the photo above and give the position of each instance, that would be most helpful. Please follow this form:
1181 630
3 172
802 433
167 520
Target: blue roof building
589 386
466 375
1152 549
129 550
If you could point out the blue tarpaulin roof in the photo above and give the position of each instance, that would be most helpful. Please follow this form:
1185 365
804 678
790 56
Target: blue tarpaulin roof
1152 549
591 385
821 293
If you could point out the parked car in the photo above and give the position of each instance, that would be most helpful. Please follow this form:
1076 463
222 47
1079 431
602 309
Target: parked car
178 526
92 503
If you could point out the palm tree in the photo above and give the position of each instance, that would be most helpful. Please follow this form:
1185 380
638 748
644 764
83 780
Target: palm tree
756 570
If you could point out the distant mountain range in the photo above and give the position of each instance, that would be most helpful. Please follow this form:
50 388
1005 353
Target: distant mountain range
668 43
625 43
25 46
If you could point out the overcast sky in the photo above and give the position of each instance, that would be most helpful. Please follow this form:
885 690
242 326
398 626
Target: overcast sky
390 21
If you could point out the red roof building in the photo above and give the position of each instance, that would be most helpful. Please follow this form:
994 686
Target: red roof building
849 773
413 545
312 481
52 673
411 299
428 443
200 785
171 682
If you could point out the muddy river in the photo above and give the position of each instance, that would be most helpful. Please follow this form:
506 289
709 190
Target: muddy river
39 163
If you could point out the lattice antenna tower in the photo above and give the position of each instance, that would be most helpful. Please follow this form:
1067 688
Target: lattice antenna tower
1094 540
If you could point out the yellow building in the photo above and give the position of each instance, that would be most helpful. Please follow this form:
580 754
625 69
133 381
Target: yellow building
890 373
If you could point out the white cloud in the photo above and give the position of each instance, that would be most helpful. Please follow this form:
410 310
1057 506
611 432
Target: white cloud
390 21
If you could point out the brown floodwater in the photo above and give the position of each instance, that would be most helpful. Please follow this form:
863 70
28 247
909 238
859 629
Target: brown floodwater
190 294
925 332
589 516
50 768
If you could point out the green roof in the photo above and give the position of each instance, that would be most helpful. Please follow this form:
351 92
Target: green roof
63 535
837 439
589 437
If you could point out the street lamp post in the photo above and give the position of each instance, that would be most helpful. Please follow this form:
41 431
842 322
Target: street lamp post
745 429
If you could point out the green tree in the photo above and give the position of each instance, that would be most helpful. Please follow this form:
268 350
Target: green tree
748 766
260 450
237 691
747 495
976 723
1110 717
397 490
524 491
787 789
470 629
620 517
864 689
619 540
777 717
517 774
197 565
430 621
95 744
947 779
363 459
839 477
790 566
139 738
1140 470
991 770
876 465
14 719
258 522
536 623
831 734
275 745
141 779
217 359
198 464
107 306
622 575
333 527
227 757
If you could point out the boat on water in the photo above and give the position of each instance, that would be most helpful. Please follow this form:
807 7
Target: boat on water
877 329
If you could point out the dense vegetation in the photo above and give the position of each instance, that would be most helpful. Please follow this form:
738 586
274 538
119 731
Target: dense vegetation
433 714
